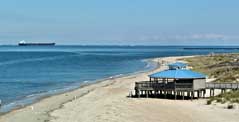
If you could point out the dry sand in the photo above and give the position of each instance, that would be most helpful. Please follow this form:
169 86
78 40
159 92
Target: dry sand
107 102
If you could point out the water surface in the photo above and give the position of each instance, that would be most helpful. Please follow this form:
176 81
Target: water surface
27 73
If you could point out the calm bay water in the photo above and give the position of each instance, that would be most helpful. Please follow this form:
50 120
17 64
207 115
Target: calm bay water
28 73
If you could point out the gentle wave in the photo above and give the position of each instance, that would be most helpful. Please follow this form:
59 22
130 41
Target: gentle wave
36 96
33 60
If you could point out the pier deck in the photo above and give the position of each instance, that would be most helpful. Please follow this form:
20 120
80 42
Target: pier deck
222 85
154 88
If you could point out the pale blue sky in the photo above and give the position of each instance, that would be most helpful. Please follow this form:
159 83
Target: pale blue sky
121 22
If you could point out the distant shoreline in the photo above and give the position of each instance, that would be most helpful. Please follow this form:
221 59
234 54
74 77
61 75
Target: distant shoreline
134 45
211 48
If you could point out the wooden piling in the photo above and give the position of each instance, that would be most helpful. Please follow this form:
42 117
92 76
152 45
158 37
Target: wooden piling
183 94
192 95
164 94
147 94
213 92
138 93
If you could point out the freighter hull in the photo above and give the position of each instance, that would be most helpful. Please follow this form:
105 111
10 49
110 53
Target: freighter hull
36 44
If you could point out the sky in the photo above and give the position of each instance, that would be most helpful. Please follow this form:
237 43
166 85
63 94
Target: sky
120 22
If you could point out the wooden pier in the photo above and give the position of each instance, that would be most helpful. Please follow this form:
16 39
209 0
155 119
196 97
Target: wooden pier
179 90
179 82
222 86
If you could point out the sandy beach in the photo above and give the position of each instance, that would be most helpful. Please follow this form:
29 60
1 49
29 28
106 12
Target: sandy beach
107 101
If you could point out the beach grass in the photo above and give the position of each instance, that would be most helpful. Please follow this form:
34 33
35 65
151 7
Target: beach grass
222 67
231 97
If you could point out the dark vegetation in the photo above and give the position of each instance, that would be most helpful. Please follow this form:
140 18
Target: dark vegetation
222 67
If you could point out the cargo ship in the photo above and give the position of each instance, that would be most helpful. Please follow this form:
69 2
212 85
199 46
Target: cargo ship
23 43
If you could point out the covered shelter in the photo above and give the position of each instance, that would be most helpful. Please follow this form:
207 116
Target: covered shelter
175 80
179 79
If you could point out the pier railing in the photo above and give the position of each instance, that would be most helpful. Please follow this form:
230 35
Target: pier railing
147 85
222 85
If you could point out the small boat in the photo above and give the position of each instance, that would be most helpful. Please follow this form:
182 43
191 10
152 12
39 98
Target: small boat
23 43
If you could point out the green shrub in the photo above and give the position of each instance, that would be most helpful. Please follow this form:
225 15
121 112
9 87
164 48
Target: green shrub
219 100
223 101
232 97
230 106
209 102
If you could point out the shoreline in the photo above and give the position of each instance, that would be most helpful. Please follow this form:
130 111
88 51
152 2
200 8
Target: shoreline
153 66
107 101
38 97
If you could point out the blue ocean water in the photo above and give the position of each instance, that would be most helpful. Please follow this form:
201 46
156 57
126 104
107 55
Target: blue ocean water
28 73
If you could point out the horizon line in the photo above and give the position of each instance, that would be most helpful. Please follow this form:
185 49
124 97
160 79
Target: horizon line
129 45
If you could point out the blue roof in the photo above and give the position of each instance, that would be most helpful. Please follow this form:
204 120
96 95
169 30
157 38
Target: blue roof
178 64
178 74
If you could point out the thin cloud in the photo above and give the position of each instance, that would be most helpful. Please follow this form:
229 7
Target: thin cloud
189 37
